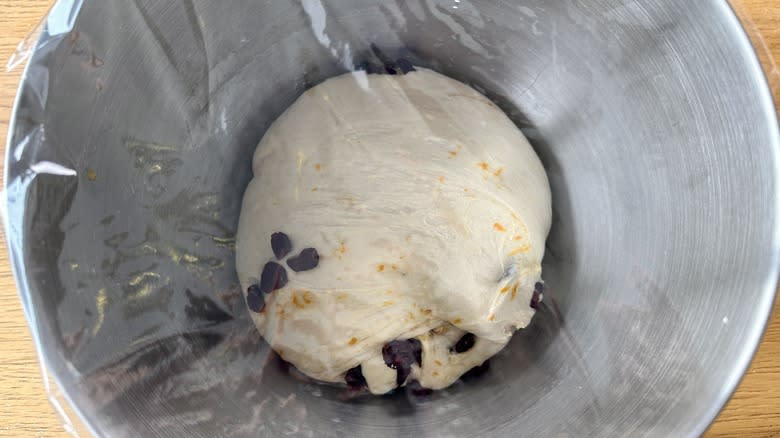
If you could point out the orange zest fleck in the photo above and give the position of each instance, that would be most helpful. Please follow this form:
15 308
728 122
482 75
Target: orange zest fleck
387 303
394 267
483 165
452 154
499 227
380 268
426 311
517 237
314 189
520 249
505 289
437 362
318 166
297 303
353 341
492 317
435 373
514 291
456 321
341 250
499 171
441 179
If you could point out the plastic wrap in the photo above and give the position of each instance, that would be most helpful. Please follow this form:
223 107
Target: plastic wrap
121 227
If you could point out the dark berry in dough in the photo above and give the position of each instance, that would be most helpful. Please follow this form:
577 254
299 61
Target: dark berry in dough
465 343
254 299
307 260
355 379
281 245
274 277
400 355
535 299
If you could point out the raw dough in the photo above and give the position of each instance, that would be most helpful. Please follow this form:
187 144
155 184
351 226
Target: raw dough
429 211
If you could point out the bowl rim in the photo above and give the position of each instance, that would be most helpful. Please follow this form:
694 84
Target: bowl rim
66 11
770 289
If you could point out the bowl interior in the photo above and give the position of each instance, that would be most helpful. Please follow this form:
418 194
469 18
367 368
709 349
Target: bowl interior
131 150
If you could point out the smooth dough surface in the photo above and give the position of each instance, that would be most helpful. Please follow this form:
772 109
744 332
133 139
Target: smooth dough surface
429 210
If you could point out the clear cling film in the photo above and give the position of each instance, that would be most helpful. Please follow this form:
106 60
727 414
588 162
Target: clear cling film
130 148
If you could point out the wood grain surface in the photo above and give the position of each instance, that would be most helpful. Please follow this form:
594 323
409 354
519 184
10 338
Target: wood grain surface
26 412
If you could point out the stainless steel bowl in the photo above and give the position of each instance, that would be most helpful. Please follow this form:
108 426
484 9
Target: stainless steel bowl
130 151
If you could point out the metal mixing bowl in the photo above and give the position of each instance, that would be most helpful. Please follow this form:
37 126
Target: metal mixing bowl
131 148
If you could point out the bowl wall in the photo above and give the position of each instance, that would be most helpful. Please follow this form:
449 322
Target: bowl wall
131 149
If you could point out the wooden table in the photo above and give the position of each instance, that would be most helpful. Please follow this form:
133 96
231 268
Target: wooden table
25 411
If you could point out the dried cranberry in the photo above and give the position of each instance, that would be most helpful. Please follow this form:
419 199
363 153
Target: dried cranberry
465 343
281 245
539 287
308 259
254 299
355 379
274 277
400 355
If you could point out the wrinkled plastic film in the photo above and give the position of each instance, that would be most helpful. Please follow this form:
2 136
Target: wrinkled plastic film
58 21
124 301
24 49
47 31
50 28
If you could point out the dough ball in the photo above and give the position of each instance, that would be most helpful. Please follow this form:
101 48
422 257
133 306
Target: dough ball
393 231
